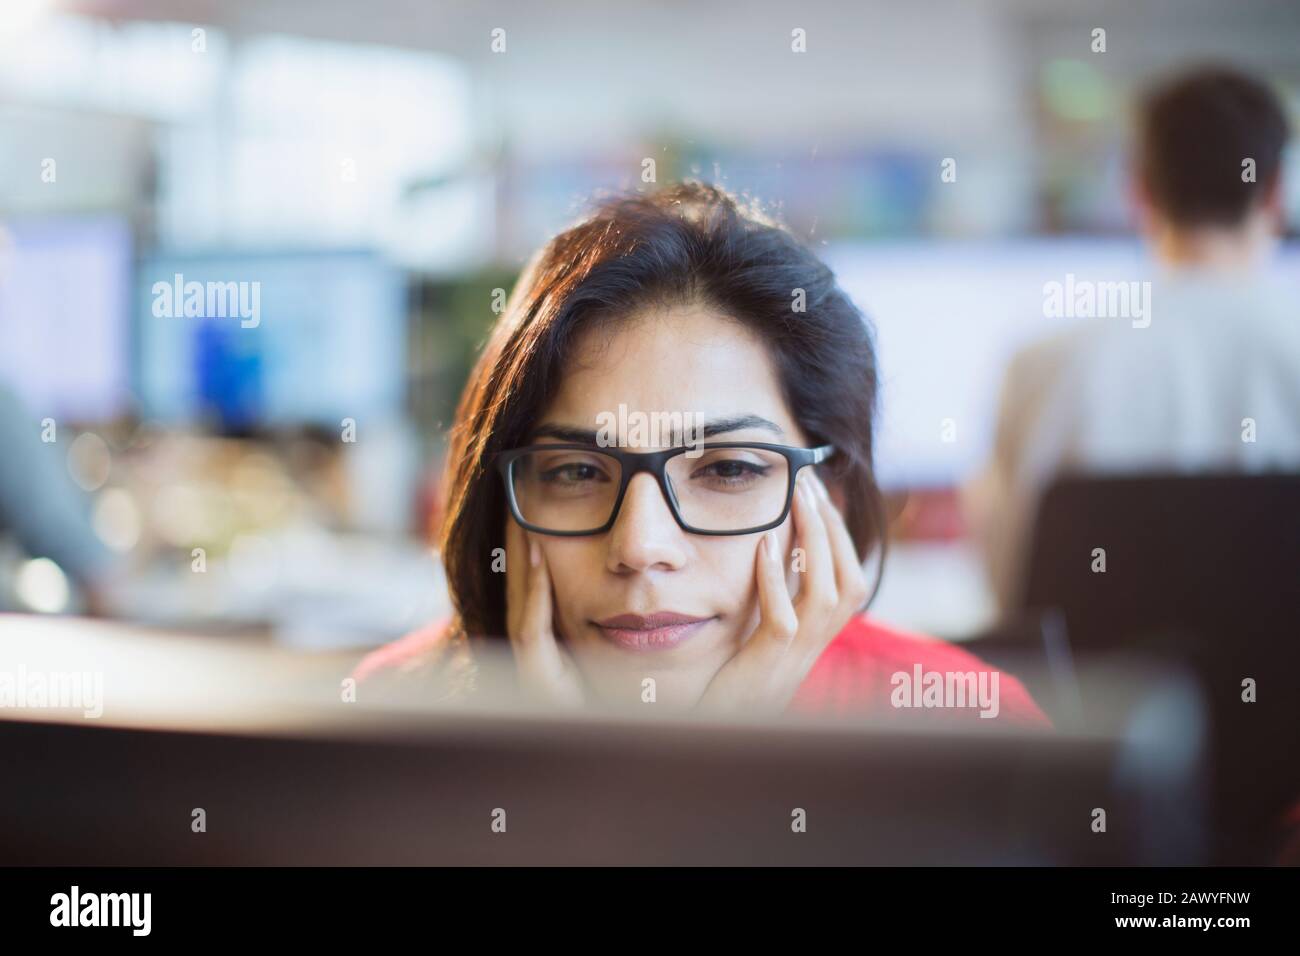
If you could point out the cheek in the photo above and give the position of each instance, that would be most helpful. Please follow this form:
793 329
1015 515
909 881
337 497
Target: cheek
729 564
575 565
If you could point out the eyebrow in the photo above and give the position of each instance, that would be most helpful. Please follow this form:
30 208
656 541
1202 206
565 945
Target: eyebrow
716 426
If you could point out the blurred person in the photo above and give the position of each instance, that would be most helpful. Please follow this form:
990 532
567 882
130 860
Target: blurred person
1213 382
729 571
43 512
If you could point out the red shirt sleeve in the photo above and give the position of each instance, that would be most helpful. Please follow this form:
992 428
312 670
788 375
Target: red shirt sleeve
403 653
890 675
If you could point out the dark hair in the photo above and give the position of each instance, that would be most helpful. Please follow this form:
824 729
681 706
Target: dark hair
684 243
1194 133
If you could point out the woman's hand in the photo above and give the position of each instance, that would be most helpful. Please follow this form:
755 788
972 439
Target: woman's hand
767 671
545 670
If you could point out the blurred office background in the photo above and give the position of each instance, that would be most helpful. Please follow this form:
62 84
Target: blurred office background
380 170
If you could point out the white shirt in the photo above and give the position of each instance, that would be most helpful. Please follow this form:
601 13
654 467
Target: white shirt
1211 384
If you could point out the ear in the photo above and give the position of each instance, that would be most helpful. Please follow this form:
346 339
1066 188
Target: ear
1145 213
1273 204
836 490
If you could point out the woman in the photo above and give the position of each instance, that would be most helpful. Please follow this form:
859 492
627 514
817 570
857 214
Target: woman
713 562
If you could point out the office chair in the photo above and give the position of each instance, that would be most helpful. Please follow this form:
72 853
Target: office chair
1200 572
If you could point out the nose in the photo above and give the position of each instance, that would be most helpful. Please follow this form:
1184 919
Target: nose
645 535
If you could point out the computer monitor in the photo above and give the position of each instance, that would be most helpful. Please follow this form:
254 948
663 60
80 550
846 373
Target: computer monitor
1208 584
64 305
948 317
250 340
288 771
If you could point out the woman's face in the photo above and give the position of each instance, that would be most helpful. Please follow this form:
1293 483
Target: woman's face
693 361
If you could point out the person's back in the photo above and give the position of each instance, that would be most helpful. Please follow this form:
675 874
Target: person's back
1212 381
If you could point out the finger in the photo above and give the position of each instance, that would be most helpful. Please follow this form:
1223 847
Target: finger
756 675
516 575
850 580
817 593
535 621
778 622
536 644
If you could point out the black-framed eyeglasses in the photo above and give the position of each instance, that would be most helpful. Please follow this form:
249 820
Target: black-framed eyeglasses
713 488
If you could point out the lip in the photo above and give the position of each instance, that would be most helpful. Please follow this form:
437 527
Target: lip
651 632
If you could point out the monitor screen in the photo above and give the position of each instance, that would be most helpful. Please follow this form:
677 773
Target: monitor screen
250 340
948 317
64 300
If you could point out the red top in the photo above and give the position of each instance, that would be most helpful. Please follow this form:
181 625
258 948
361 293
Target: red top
867 669
893 675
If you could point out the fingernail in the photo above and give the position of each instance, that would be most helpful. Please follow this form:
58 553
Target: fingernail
821 488
534 554
769 542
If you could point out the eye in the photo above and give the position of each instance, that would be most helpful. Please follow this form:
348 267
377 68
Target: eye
732 471
570 472
574 472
